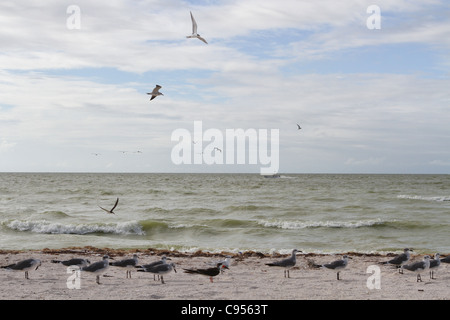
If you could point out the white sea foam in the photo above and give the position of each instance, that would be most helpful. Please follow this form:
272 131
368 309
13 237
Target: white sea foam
319 224
423 198
44 226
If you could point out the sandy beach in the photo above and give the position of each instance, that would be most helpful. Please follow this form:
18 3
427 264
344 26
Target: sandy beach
248 278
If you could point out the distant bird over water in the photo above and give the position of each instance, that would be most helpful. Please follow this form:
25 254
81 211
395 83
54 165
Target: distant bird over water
194 31
112 210
298 126
155 92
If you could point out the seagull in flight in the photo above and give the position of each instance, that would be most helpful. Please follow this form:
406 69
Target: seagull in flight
194 30
112 210
298 126
155 92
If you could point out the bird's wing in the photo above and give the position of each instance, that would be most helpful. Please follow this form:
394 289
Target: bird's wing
104 209
156 89
202 39
398 259
115 205
335 264
194 25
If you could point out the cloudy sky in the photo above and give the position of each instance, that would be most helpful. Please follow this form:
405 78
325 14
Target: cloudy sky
73 83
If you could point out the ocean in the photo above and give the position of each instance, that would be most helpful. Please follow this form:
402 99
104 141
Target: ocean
315 213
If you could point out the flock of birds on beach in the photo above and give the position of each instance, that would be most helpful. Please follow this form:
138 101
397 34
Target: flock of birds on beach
161 267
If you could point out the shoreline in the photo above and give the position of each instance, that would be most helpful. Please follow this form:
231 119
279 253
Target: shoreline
248 278
89 250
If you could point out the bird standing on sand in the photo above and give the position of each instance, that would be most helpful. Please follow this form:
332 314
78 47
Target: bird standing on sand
155 92
98 267
446 259
418 267
24 265
112 210
160 269
194 30
76 262
337 265
400 260
210 272
126 263
434 264
285 263
153 264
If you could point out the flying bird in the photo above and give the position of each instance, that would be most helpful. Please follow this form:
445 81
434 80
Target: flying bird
298 126
112 210
155 92
194 31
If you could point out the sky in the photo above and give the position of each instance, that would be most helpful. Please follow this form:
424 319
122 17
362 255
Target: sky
369 88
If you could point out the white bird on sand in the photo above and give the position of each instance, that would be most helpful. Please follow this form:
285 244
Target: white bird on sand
336 265
98 267
129 264
400 260
434 264
154 264
160 269
285 263
24 265
418 267
194 31
78 262
155 92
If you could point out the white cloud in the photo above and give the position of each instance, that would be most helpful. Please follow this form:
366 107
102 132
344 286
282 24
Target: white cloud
6 145
253 74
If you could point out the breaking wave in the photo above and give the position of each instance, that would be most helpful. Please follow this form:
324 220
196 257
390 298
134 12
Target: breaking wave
43 226
322 224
